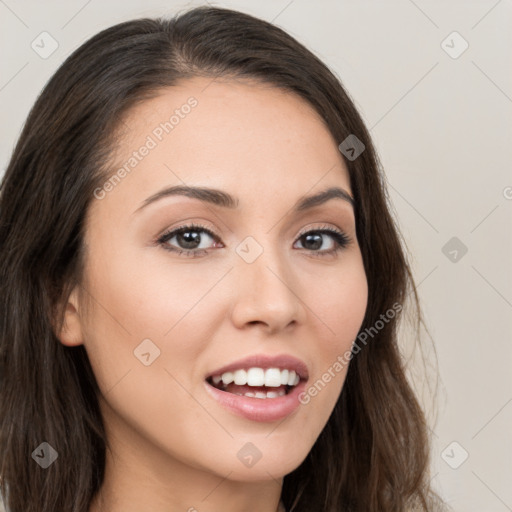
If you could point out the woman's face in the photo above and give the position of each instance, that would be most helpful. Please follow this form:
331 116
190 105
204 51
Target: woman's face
162 321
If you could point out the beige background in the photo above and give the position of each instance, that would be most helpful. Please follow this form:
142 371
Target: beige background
442 126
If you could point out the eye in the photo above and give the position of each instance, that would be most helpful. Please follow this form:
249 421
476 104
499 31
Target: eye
188 239
191 243
314 239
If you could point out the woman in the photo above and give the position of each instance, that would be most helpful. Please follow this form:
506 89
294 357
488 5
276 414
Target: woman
201 285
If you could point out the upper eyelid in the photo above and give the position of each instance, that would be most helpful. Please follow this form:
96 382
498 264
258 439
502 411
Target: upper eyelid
320 228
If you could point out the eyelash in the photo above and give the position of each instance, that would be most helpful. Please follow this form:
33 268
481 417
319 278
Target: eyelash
341 240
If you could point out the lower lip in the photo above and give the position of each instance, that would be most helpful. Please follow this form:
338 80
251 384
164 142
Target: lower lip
259 409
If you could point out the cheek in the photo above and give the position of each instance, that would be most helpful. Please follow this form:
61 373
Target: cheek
341 305
145 295
135 303
341 302
139 297
161 292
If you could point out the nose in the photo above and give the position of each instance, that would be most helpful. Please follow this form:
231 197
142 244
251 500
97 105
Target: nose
266 293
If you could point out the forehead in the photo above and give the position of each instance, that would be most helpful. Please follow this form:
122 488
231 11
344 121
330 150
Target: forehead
243 136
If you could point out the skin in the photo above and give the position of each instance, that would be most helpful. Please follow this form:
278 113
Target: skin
174 448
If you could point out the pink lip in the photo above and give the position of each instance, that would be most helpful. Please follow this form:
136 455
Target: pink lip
259 409
282 362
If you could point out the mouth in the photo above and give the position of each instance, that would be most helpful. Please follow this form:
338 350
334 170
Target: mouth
256 382
256 393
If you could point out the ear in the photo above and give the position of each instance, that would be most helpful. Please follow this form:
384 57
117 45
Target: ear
71 332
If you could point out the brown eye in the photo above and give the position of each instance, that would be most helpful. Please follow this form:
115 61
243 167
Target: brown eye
314 239
189 240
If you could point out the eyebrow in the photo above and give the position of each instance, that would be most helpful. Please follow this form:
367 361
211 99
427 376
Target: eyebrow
225 200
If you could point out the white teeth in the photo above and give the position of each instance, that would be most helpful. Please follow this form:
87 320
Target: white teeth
268 394
255 377
228 377
240 377
271 377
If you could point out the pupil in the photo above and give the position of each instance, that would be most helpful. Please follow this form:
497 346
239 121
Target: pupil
190 239
316 243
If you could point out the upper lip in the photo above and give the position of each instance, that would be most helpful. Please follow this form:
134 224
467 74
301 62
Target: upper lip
282 361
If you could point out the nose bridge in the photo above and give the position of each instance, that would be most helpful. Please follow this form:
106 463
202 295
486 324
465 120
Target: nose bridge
264 285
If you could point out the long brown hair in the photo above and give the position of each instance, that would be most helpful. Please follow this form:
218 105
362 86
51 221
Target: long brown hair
373 454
